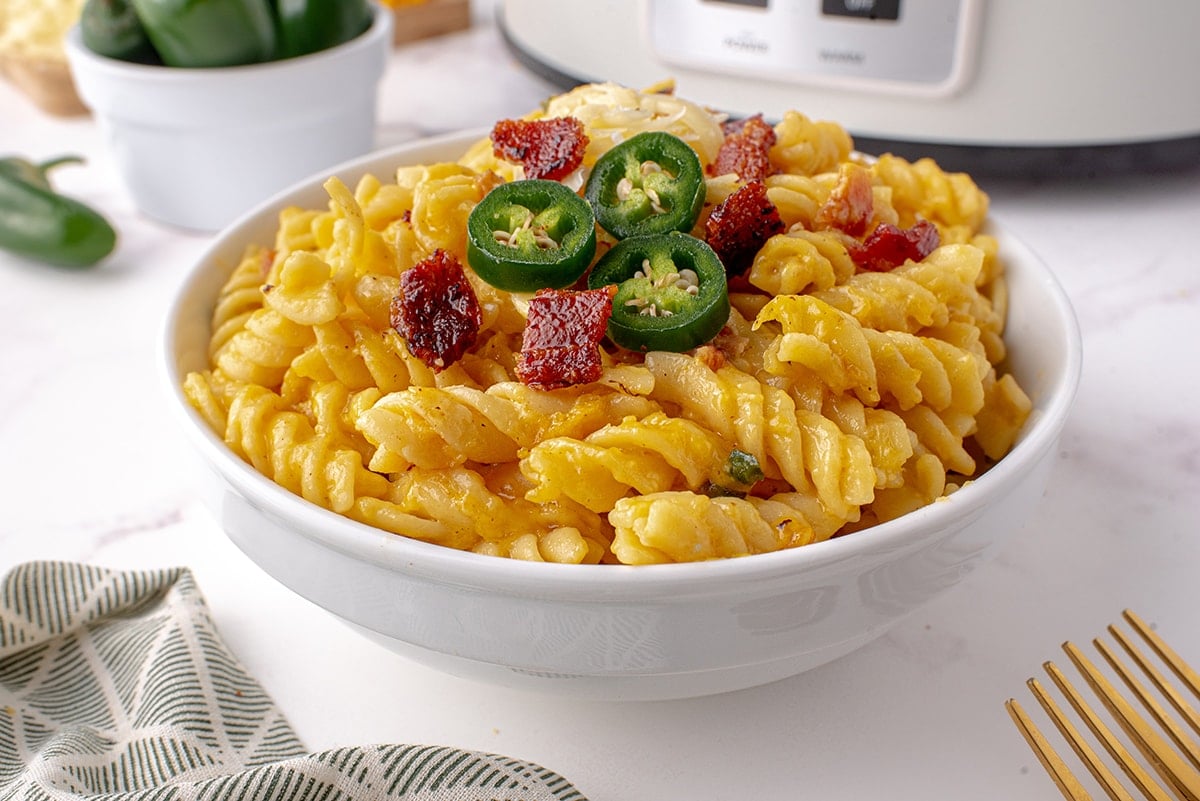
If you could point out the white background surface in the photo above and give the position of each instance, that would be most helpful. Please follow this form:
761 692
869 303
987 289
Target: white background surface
91 469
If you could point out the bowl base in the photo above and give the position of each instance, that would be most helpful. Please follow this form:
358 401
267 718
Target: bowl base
627 687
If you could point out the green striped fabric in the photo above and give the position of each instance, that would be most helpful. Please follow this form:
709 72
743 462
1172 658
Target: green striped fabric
115 685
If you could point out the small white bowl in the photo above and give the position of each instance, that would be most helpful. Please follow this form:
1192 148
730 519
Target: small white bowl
621 632
198 147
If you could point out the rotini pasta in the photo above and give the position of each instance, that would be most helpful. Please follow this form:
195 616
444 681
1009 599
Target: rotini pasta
837 396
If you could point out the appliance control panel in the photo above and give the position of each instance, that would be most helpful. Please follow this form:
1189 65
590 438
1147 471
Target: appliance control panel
896 46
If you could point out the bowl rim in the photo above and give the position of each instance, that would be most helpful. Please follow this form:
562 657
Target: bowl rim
78 54
414 557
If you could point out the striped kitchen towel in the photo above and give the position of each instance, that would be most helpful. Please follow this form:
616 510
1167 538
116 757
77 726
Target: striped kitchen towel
115 685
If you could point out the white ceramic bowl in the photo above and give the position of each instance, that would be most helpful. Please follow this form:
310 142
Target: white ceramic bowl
617 632
199 147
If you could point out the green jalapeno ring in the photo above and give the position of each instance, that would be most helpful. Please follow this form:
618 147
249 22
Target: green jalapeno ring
671 292
529 235
651 183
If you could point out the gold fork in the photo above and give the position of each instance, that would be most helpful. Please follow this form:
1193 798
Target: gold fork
1178 766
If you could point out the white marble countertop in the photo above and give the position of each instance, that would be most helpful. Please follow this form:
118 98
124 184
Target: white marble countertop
91 470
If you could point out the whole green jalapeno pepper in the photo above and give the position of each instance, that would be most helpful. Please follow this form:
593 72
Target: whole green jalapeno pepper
308 26
111 28
651 183
530 235
671 292
209 33
39 224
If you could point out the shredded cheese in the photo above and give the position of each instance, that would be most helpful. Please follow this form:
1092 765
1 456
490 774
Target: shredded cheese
36 28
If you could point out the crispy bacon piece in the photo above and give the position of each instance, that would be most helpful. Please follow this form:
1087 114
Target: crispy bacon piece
850 204
887 247
560 346
549 149
740 225
436 311
745 150
710 356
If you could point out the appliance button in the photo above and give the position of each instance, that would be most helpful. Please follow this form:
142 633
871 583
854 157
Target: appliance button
863 9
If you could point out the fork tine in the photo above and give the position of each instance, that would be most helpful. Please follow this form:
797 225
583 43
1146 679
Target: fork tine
1177 733
1180 668
1133 769
1068 785
1090 759
1160 754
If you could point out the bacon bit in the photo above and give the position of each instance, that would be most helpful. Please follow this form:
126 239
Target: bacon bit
888 247
745 150
740 225
436 311
711 357
850 204
731 343
561 343
549 149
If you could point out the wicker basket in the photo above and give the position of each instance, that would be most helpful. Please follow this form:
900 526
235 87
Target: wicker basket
421 19
46 81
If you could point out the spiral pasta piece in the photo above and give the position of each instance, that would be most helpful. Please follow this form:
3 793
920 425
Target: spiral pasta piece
911 370
823 339
923 482
361 356
999 422
199 389
442 199
798 445
455 507
801 261
240 297
435 428
807 147
643 456
943 434
799 196
688 527
297 230
923 190
282 445
885 435
262 350
682 526
915 295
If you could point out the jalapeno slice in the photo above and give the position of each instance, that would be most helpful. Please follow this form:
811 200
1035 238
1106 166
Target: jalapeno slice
671 292
529 235
651 183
